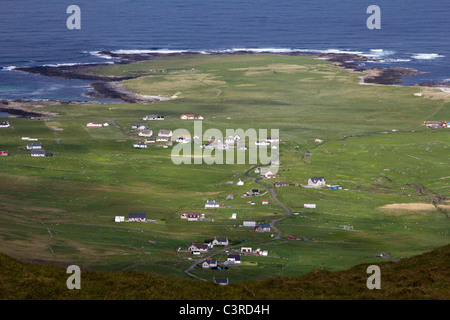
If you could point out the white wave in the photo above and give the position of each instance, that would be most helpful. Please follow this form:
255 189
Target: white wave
161 51
71 64
390 60
10 68
427 56
97 54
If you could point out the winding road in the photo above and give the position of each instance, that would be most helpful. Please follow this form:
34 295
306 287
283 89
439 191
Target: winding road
272 223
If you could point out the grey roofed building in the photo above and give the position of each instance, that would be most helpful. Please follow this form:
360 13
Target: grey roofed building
234 257
137 216
165 133
38 153
316 181
199 247
154 117
221 281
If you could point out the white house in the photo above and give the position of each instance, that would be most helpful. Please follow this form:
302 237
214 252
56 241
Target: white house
119 219
249 223
34 146
142 145
261 252
153 117
138 127
165 133
316 182
246 250
309 205
137 217
198 247
262 143
220 242
211 204
209 263
4 124
38 153
94 125
187 116
270 175
240 182
145 133
190 216
235 258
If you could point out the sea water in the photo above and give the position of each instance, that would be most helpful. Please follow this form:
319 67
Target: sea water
414 34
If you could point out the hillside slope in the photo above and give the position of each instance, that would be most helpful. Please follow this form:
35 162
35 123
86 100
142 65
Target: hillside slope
426 276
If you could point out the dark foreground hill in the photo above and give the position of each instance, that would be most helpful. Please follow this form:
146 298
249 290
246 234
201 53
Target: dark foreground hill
426 276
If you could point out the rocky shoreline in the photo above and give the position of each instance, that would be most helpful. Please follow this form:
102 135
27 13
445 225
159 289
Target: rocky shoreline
109 86
114 90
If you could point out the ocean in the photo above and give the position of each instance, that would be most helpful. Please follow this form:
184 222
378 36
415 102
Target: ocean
414 34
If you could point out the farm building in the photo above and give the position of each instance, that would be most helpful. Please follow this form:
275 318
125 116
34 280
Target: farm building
309 206
162 139
263 228
281 183
190 216
153 117
269 175
249 224
220 242
140 145
4 124
145 133
211 204
137 217
38 153
262 143
34 146
187 117
119 219
273 139
150 140
316 182
208 264
240 182
246 250
220 281
138 127
94 125
234 258
198 247
4 153
165 133
265 202
260 252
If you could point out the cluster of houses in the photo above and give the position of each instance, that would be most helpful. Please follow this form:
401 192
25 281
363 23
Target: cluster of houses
233 142
36 149
163 136
232 258
436 124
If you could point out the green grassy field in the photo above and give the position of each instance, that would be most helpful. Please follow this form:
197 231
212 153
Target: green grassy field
62 208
